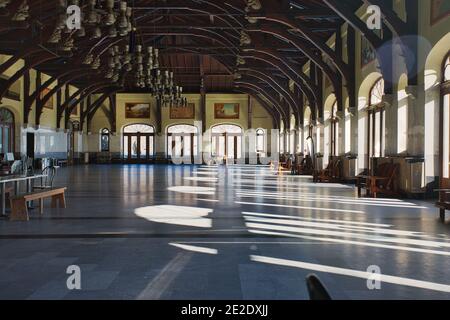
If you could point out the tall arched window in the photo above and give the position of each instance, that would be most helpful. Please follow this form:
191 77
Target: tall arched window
104 140
334 131
445 122
376 125
260 141
6 131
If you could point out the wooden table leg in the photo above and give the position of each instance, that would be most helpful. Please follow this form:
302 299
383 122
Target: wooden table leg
16 188
3 200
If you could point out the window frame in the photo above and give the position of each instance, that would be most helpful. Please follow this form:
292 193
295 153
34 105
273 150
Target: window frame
10 127
375 110
105 133
261 133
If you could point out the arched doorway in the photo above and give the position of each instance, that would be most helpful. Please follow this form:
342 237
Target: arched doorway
182 141
138 143
445 125
6 131
376 120
376 124
226 141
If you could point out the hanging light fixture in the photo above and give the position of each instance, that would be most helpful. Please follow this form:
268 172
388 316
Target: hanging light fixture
99 18
147 75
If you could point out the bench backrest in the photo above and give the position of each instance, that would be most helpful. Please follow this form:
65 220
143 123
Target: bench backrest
388 170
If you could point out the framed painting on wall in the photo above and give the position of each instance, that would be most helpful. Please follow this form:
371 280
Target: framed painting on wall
226 111
187 112
49 103
440 9
137 110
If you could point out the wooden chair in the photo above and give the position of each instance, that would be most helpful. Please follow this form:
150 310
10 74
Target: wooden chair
305 167
283 161
443 203
384 181
46 181
332 173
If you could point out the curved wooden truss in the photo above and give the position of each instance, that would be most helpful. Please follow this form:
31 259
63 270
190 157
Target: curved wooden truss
258 47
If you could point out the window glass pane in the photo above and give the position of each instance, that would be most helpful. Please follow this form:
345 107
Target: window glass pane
226 128
446 151
377 92
143 147
377 141
221 146
134 147
151 150
1 139
125 146
195 141
182 129
239 147
142 128
169 145
6 140
447 70
260 143
105 142
187 146
230 146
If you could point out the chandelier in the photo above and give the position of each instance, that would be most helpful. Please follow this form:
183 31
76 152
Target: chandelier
99 18
147 74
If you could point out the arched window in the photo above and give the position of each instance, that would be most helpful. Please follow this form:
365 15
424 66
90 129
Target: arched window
376 125
138 142
446 71
104 140
260 141
183 139
445 123
334 131
141 128
6 131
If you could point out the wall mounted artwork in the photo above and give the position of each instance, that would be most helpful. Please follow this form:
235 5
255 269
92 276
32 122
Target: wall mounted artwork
187 112
226 111
137 110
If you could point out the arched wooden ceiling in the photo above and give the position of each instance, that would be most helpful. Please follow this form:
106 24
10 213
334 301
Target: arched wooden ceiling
253 46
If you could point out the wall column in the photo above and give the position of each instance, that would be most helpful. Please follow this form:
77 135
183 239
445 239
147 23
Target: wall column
391 124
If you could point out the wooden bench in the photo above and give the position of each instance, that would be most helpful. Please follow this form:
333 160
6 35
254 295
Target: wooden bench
19 208
444 202
332 173
306 166
383 182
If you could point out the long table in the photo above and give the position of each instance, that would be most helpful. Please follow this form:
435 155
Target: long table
16 179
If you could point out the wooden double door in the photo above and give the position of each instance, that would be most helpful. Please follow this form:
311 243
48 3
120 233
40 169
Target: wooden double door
182 145
227 146
138 147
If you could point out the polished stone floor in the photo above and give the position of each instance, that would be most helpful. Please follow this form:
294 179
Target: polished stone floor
237 232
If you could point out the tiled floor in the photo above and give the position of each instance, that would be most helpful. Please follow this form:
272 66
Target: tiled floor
242 232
